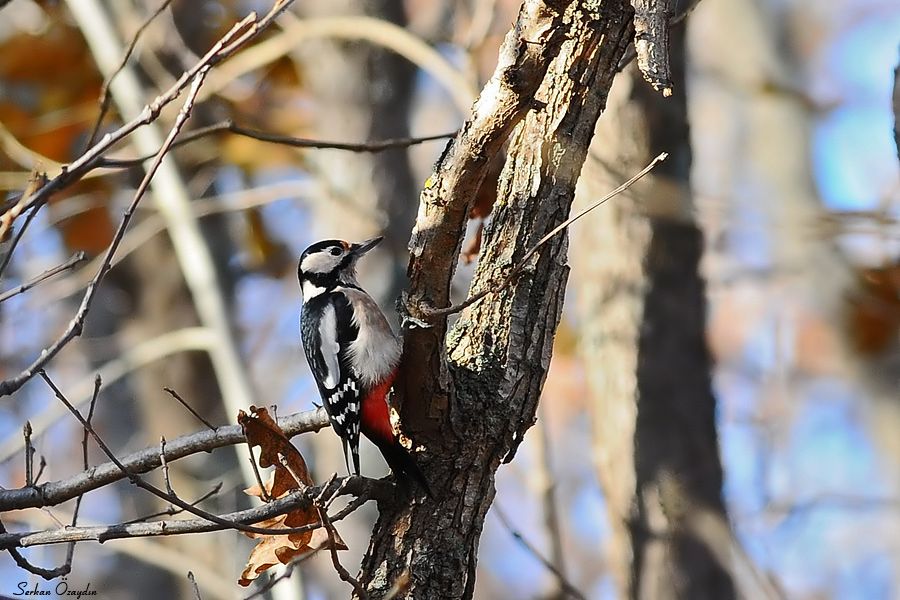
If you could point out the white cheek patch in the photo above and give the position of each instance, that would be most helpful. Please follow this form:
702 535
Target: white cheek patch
310 290
319 262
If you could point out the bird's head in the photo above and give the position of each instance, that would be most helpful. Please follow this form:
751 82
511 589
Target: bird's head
330 262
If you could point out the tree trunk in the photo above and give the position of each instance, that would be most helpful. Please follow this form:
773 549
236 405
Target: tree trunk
470 398
643 321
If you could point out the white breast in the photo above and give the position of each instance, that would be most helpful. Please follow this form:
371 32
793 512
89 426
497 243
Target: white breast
310 290
375 352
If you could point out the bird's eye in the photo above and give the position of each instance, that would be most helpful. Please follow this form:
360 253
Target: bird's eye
335 251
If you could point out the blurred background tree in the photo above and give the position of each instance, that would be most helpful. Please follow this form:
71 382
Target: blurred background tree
781 194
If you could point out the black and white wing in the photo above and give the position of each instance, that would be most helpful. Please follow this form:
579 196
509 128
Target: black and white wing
327 328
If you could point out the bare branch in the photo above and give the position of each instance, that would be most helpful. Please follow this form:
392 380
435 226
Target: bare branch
29 455
76 325
361 487
172 511
105 97
36 182
564 583
262 488
73 261
631 53
244 31
165 465
22 562
144 485
229 126
332 549
41 466
432 313
193 581
143 461
66 567
184 403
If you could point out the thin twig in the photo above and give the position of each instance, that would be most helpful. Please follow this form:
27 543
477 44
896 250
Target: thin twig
53 493
230 126
66 567
547 489
128 360
362 487
351 507
172 511
15 241
73 261
105 97
242 32
29 455
262 488
41 466
165 465
141 483
70 551
76 325
288 571
338 491
184 403
98 381
36 183
434 313
332 549
287 467
23 563
564 583
190 576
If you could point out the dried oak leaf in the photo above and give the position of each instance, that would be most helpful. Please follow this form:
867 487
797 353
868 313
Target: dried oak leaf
290 474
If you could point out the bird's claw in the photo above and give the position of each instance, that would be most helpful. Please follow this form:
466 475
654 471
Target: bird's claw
411 322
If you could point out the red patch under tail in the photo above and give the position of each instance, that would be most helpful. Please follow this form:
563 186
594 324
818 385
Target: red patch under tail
376 415
376 425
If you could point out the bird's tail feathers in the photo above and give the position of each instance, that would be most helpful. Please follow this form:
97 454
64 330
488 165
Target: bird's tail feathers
354 451
354 448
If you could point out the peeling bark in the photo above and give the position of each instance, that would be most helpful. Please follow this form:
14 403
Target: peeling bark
651 42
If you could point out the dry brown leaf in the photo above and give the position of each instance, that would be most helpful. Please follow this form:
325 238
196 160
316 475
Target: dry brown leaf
290 474
874 309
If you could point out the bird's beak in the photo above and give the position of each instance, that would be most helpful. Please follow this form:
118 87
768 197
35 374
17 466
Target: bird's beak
363 247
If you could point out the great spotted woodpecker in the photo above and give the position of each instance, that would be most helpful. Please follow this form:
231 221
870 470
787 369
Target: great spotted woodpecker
351 350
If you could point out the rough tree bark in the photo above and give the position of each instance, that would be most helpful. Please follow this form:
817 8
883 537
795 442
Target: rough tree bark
469 398
643 305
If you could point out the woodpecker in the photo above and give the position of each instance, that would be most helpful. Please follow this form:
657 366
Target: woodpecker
352 351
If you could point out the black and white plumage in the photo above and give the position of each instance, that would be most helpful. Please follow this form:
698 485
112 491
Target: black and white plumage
350 347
